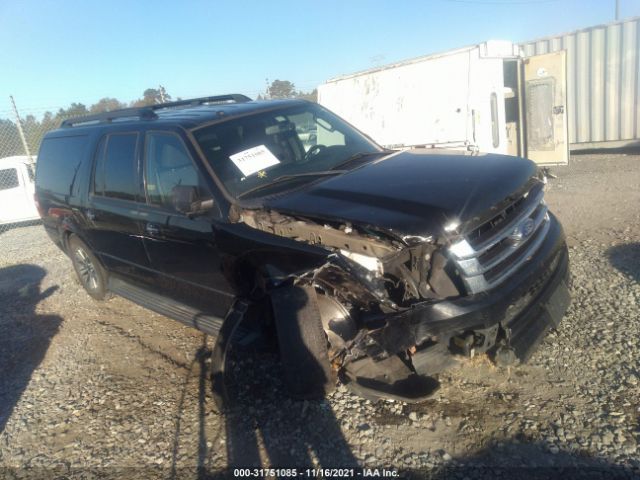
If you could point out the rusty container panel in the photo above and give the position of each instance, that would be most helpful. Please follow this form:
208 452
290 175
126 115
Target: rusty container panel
603 87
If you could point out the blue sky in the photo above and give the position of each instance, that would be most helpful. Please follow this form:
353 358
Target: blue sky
56 52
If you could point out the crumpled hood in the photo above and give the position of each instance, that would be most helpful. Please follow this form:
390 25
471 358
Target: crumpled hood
413 192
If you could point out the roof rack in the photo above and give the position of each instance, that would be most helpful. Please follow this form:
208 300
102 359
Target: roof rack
229 98
143 113
149 112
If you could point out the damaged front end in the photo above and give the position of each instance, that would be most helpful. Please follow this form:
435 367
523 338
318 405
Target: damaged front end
397 310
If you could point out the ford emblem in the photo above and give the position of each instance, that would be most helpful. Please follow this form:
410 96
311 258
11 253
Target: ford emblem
522 231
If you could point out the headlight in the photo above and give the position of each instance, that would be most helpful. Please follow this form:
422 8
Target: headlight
370 263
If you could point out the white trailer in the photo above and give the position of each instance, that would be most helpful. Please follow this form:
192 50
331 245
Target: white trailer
485 97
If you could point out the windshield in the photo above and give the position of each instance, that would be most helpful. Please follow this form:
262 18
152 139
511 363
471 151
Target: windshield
255 153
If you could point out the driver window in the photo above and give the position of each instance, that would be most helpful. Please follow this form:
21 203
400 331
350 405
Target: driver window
170 172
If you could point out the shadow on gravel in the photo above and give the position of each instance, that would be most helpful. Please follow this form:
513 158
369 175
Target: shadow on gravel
10 226
261 426
24 335
199 360
527 460
626 258
264 425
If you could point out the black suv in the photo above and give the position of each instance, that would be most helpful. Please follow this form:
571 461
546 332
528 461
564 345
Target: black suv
377 266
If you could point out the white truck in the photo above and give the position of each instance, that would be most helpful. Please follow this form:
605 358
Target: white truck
485 97
17 202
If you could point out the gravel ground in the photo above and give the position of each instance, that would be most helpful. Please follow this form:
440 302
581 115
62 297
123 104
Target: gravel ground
111 389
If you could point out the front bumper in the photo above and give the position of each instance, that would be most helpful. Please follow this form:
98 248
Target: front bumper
522 309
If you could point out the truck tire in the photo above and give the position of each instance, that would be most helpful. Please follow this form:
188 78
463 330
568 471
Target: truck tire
91 274
302 341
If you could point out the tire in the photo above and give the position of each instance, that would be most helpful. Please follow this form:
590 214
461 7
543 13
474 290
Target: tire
303 343
91 274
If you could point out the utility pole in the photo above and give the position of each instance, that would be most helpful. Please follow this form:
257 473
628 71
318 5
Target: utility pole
617 10
20 131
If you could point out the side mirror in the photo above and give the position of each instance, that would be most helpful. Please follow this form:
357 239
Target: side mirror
186 201
200 207
183 196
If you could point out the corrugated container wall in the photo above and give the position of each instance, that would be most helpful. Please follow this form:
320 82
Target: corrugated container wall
602 82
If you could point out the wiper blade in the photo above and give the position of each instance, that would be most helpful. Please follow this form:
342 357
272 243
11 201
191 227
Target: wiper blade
358 156
291 176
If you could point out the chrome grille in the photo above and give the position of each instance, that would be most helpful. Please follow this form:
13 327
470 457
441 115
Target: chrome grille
491 253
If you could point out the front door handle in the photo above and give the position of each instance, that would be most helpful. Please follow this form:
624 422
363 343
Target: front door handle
152 230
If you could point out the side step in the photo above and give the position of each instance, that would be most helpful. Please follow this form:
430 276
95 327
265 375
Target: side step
190 316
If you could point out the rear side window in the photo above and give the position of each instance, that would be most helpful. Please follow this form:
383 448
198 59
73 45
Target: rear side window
59 160
8 178
116 172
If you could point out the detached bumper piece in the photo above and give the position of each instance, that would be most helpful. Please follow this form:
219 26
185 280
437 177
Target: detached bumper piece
390 378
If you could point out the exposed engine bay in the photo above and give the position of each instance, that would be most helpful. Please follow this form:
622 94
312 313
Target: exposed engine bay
395 312
367 275
394 272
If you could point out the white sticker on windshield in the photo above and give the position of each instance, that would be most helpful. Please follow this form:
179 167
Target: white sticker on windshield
254 159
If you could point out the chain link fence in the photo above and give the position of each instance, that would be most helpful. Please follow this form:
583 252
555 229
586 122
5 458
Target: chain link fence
21 133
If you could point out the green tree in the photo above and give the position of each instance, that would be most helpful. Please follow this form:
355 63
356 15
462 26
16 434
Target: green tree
312 96
10 143
74 110
286 89
33 133
34 130
106 104
282 89
49 122
152 96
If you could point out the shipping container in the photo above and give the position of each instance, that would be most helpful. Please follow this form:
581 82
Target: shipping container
485 97
602 82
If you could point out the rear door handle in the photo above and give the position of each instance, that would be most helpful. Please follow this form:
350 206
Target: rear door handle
152 230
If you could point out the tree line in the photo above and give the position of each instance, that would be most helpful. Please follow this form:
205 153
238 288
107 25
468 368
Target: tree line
286 89
34 128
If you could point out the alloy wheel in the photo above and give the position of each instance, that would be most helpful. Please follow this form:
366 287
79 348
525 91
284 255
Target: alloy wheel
86 269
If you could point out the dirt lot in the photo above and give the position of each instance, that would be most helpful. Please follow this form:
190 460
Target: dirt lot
112 389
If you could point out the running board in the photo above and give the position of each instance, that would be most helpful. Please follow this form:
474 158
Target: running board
190 316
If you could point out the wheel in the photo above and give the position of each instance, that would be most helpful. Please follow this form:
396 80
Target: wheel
302 341
91 274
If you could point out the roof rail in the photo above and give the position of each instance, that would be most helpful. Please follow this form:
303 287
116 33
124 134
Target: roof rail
148 112
229 98
143 113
